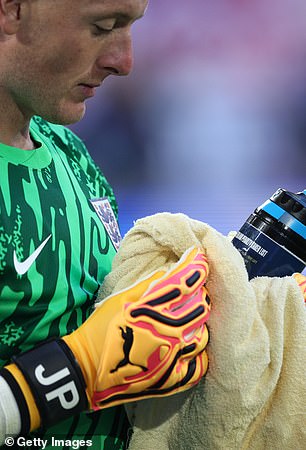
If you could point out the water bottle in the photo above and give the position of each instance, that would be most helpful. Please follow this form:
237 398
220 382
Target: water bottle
273 239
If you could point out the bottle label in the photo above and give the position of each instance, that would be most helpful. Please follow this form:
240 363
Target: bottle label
263 256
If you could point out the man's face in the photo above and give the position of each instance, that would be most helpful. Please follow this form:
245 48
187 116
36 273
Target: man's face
65 49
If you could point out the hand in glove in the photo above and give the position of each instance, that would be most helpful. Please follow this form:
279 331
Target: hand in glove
147 340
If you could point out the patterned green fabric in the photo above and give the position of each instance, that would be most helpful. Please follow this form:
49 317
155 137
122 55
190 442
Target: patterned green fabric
45 208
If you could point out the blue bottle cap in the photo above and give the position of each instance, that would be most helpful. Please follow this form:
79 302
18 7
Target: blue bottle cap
289 209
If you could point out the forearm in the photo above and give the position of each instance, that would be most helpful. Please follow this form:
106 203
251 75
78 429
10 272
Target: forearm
20 391
10 417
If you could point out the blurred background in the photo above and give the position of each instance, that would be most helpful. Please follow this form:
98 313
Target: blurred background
212 120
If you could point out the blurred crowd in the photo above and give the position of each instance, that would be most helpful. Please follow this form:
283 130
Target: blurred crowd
212 120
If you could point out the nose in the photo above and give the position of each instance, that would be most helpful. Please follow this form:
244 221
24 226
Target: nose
117 57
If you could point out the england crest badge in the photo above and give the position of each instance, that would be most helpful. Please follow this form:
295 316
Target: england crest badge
107 217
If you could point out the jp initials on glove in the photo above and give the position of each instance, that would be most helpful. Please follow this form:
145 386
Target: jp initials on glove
148 340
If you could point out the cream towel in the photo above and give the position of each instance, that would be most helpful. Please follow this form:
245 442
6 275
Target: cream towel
253 396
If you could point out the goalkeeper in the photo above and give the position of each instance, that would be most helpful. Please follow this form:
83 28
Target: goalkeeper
59 234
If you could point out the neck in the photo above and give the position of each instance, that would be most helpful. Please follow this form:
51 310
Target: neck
14 125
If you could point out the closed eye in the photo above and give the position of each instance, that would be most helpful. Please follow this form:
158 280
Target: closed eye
98 30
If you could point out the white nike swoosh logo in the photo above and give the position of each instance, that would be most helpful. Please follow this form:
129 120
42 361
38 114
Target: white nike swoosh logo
22 267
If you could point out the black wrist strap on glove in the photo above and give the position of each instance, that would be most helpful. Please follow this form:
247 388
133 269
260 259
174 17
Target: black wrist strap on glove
55 380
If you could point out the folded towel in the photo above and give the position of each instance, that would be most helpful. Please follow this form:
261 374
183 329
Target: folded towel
253 396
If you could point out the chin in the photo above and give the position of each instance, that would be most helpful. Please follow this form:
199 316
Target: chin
66 115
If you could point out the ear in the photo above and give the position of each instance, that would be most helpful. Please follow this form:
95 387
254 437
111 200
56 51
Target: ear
10 14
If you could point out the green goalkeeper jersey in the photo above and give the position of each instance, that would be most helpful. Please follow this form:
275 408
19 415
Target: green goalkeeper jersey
58 236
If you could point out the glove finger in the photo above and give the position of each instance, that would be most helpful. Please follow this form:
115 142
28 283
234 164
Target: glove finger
178 299
301 281
135 291
192 268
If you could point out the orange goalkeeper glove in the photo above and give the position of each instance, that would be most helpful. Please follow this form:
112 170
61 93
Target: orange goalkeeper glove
145 341
301 281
